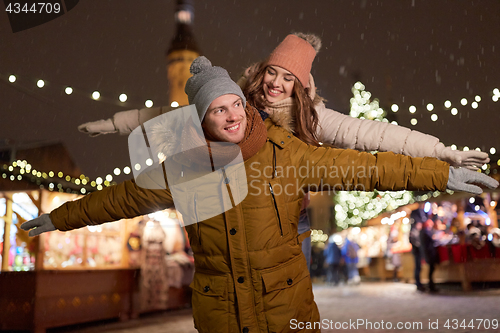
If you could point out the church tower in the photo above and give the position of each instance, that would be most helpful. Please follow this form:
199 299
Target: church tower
181 53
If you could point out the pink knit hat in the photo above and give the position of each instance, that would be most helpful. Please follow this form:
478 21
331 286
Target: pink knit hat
296 56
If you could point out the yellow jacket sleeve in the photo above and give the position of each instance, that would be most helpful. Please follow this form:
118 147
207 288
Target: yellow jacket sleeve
125 200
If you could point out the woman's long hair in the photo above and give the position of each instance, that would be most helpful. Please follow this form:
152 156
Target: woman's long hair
304 115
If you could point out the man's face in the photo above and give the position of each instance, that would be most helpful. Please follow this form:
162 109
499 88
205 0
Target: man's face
225 119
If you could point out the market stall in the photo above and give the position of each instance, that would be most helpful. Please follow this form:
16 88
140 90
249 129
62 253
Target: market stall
118 269
466 238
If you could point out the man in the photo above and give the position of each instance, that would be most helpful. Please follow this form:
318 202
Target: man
419 217
250 273
333 258
427 241
350 256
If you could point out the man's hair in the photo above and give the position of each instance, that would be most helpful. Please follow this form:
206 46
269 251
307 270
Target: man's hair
303 112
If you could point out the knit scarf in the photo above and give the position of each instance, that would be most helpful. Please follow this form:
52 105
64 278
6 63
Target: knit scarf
220 154
281 113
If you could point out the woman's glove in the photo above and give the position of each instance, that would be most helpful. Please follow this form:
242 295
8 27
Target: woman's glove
460 179
95 128
38 225
472 159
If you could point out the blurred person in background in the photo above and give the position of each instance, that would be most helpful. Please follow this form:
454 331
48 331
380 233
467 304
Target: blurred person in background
427 241
350 256
333 258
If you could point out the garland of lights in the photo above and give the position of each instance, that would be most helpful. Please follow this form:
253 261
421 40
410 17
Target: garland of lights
95 95
359 106
57 181
363 108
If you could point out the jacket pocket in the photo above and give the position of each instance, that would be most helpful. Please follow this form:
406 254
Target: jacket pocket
287 294
210 301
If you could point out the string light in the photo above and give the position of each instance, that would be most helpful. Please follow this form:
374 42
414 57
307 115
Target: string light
430 107
447 104
493 150
454 111
22 170
496 95
412 109
413 121
69 90
394 108
174 104
463 101
434 117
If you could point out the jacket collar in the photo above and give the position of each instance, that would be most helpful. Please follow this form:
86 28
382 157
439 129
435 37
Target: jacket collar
277 135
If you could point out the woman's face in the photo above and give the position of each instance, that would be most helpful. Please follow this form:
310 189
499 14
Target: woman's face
277 84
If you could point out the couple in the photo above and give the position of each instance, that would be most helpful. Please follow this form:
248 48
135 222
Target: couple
284 89
251 275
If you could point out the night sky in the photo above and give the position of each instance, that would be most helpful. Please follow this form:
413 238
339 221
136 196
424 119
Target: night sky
407 52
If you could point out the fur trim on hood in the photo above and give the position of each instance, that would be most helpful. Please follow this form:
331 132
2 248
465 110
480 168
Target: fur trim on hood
164 138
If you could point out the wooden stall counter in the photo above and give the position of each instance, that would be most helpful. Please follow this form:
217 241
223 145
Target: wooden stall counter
460 263
36 300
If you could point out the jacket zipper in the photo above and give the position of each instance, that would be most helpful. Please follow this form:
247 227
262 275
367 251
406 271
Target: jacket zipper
276 208
197 224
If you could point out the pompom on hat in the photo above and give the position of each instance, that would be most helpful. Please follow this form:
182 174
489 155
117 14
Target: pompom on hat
296 54
208 83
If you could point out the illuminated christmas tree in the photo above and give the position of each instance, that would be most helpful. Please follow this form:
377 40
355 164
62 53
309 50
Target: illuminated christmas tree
352 208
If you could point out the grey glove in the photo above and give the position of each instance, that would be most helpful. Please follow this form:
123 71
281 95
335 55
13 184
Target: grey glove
460 179
471 159
95 128
38 225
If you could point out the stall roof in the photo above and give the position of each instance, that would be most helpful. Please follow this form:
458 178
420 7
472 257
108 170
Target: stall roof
42 156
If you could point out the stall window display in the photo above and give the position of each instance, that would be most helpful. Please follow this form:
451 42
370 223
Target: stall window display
20 251
93 247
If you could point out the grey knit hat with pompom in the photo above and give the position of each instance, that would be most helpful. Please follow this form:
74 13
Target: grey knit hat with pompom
208 83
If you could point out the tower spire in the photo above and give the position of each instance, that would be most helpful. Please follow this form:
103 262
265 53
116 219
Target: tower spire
181 52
